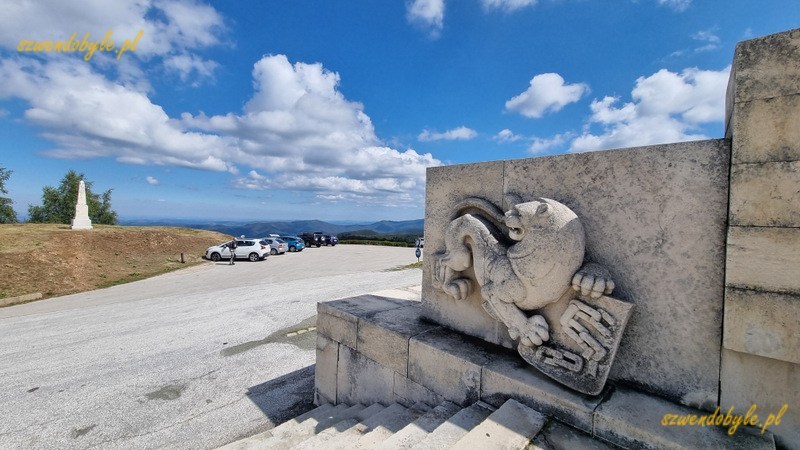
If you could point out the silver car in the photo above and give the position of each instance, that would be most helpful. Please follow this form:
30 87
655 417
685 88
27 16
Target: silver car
278 246
252 249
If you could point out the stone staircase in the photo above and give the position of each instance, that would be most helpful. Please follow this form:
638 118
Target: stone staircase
419 426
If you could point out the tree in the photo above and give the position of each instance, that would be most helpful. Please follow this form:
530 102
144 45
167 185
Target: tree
58 204
7 214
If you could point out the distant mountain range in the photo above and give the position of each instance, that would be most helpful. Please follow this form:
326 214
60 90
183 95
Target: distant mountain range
260 229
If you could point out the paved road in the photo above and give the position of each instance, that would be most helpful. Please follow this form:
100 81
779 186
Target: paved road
191 359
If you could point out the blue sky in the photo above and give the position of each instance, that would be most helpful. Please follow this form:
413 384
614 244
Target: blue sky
275 110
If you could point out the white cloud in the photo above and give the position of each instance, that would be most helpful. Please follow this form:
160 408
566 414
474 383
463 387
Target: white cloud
506 135
297 129
187 65
666 107
708 38
151 181
541 145
677 5
507 5
427 13
547 93
456 134
173 30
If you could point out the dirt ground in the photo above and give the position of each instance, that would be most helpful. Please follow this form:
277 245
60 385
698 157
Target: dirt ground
54 260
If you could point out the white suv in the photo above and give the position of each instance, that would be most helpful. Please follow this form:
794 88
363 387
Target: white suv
251 249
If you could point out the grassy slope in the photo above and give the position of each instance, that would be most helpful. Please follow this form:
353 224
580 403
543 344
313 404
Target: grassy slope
55 260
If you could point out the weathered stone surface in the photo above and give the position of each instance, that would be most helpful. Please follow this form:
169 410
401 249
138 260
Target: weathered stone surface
383 336
447 364
407 392
362 380
654 217
767 67
766 130
326 370
557 436
748 380
762 323
764 258
455 427
766 194
632 419
419 429
445 186
509 377
513 425
338 319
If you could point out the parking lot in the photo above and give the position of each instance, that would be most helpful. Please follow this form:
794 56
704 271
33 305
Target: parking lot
195 358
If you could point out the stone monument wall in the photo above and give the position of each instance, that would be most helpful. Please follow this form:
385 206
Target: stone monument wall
761 332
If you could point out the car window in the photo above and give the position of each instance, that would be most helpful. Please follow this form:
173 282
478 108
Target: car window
280 241
263 242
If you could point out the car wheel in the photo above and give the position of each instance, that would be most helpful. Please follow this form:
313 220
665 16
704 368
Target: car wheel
318 245
215 257
273 252
254 257
292 249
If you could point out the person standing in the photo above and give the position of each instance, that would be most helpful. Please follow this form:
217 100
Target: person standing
232 248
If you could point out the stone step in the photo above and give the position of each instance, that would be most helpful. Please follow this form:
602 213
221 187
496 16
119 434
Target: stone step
250 442
349 438
285 439
417 430
512 426
448 433
320 440
392 425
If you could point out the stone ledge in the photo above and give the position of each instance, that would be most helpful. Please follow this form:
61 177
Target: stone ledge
762 323
633 419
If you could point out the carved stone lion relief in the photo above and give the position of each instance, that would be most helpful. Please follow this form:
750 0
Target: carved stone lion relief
528 265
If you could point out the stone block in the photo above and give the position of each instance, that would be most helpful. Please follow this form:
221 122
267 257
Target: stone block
769 384
326 369
766 194
766 130
762 323
362 380
510 377
407 392
513 425
764 258
445 186
632 419
448 364
338 319
383 336
767 67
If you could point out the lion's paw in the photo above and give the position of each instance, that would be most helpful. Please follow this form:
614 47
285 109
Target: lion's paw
593 280
533 333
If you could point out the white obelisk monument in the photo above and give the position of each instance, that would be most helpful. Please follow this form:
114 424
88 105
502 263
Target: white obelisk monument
81 220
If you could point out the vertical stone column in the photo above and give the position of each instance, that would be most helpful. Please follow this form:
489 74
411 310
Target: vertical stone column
761 333
81 220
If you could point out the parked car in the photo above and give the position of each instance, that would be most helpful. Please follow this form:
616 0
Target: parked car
252 249
277 246
330 240
295 243
315 239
